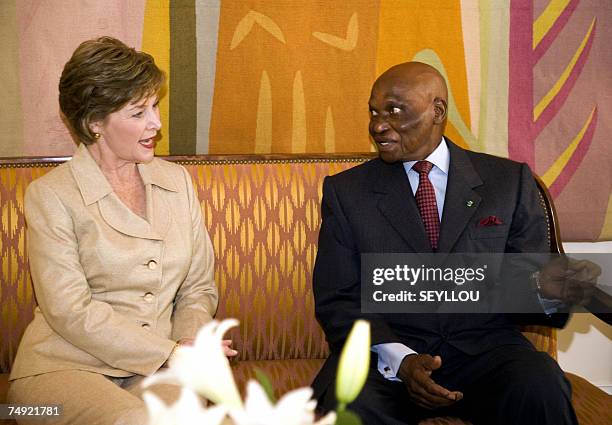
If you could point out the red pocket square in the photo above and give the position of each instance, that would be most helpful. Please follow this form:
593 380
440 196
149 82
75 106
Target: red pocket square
491 220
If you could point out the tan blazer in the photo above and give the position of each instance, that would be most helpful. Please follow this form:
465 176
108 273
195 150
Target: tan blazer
114 291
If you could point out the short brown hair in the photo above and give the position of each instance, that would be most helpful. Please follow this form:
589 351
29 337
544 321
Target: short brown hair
101 77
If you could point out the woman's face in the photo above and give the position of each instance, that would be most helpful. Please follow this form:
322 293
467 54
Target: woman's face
128 134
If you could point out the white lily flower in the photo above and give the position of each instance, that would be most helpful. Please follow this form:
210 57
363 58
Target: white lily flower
186 411
354 363
294 408
204 367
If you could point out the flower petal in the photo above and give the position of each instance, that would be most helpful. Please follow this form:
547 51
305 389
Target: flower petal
205 368
354 363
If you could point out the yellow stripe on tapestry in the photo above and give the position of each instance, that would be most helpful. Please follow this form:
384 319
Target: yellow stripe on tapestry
330 131
606 230
494 22
263 131
349 42
542 104
298 132
470 24
156 41
245 26
547 19
555 170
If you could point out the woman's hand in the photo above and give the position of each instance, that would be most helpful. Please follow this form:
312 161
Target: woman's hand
225 344
229 351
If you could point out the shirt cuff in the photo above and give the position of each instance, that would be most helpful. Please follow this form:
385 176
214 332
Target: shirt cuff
390 358
550 306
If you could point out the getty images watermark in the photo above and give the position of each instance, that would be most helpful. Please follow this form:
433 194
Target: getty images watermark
484 283
420 275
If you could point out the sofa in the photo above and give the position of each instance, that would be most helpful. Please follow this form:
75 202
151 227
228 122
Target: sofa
262 213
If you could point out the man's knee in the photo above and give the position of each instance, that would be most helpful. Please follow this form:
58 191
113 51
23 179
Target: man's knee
540 379
538 393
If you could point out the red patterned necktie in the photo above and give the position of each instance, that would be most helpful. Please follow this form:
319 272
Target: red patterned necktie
426 201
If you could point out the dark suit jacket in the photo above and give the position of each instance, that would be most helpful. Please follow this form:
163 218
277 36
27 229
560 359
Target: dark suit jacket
371 209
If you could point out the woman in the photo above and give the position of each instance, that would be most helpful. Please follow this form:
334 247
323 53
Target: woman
121 263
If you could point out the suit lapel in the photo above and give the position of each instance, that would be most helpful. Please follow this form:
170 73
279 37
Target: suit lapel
398 206
461 200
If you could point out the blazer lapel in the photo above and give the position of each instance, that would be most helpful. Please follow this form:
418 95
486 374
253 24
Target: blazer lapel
122 219
461 200
398 206
158 212
95 189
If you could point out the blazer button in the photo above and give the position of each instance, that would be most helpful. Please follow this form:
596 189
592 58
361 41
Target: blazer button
152 265
148 297
146 326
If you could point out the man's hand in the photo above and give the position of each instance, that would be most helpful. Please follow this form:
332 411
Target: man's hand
415 371
568 280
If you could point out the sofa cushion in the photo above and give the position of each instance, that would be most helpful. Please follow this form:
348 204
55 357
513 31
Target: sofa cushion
264 219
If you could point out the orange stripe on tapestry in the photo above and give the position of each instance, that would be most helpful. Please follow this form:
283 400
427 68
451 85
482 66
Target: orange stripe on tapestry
408 28
156 41
293 78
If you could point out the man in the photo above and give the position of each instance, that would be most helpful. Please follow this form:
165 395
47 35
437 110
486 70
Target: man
476 367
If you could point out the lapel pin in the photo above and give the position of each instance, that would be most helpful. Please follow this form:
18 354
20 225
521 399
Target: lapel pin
470 203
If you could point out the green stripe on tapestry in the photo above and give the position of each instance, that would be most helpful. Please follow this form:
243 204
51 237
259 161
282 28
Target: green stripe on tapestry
11 119
183 83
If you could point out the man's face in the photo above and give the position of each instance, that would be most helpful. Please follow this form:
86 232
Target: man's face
402 120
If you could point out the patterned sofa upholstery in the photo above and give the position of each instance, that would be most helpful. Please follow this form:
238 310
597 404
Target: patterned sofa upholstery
263 216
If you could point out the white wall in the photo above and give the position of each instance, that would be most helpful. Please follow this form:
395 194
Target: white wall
585 344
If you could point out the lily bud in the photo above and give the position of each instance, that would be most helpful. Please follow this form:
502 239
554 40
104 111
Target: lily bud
354 364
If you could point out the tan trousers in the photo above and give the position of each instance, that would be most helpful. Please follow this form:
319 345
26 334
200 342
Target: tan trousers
88 398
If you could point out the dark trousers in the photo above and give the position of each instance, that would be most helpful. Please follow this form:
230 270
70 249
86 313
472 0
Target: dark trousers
513 384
